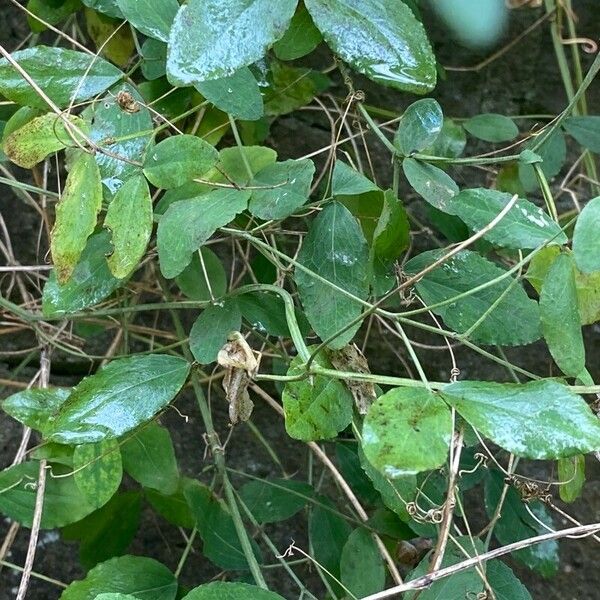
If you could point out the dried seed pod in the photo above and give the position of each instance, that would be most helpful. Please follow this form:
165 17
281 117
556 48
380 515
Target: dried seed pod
241 365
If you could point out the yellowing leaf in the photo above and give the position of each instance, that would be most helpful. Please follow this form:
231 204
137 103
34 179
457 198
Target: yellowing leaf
129 217
32 143
115 40
76 215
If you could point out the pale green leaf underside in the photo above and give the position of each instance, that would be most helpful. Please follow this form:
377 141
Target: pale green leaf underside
407 431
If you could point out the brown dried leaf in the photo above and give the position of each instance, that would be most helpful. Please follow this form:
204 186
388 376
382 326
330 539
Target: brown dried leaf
350 358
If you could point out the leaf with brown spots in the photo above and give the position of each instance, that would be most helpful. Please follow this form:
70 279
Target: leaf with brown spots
32 143
76 215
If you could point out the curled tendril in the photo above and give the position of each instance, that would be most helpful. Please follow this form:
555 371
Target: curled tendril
588 45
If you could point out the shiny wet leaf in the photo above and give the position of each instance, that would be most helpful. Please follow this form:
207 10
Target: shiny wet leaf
334 249
385 42
211 39
124 394
564 425
59 72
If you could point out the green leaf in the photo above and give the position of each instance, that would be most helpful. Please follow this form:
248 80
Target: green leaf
233 163
54 453
108 531
90 283
514 317
491 127
563 425
144 578
451 227
208 42
76 215
586 243
571 474
336 250
122 395
560 317
178 159
211 329
285 188
59 73
585 130
152 17
193 282
291 88
19 119
553 153
362 569
525 226
407 431
149 458
301 38
395 493
171 101
223 590
420 126
367 209
108 7
32 143
384 41
347 181
588 286
387 523
515 524
115 596
392 233
50 12
35 406
466 584
265 312
238 94
274 500
450 142
349 464
154 54
216 528
508 180
98 471
125 135
111 40
430 182
328 534
189 223
174 508
63 502
317 407
504 583
129 218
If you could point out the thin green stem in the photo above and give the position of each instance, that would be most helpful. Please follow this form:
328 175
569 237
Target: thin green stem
186 553
240 145
56 582
28 188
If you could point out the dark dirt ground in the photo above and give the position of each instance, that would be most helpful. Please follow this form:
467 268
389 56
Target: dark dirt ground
525 80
